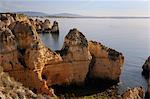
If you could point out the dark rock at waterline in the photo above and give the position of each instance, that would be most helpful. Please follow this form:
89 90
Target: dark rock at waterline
146 74
146 68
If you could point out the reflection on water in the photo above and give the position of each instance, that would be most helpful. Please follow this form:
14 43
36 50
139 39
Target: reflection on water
51 40
129 36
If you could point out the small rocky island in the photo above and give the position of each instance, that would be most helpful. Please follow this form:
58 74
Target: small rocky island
80 63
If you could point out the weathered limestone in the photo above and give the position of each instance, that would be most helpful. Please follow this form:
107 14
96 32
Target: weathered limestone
106 62
23 53
8 51
38 26
76 58
10 89
24 57
134 93
46 26
55 28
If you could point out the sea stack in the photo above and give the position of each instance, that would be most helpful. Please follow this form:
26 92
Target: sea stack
46 26
106 63
76 59
55 28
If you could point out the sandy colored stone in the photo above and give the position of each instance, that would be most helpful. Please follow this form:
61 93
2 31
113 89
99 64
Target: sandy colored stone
106 63
55 27
23 55
134 93
46 25
76 58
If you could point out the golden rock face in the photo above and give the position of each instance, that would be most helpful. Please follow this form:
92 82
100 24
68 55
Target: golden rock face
107 63
24 57
134 93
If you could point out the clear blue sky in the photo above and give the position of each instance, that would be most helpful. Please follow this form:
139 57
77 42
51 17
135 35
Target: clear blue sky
83 7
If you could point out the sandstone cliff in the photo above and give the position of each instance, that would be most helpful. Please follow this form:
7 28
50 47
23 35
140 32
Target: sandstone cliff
76 58
106 62
23 53
10 89
24 57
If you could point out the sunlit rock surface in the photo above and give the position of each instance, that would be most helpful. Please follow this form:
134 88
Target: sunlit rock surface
76 58
55 27
46 25
106 63
24 56
134 93
23 53
10 89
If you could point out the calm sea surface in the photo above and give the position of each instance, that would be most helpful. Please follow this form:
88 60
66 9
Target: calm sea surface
129 36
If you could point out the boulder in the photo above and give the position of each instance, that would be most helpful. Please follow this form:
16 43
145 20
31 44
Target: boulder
134 93
106 63
55 28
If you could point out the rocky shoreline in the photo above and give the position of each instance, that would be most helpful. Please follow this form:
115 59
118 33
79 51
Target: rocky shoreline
79 63
146 74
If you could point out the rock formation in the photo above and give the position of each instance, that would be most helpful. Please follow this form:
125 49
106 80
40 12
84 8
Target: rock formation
10 89
146 74
55 28
76 58
106 62
22 52
38 25
46 26
134 93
